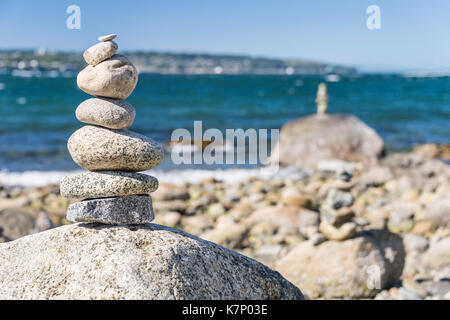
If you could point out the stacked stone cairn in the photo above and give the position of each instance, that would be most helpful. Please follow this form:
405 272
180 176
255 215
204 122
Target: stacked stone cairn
337 218
112 192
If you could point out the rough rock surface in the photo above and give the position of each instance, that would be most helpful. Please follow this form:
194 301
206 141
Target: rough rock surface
336 269
88 261
128 210
96 148
102 184
114 78
100 52
306 141
109 113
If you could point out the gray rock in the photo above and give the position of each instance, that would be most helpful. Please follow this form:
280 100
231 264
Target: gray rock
97 148
103 184
108 37
128 210
88 261
413 242
337 199
100 52
402 216
356 268
16 223
439 212
436 260
114 78
109 113
408 294
305 142
169 192
343 232
336 217
317 238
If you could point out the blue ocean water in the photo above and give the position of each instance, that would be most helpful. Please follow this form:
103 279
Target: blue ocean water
37 113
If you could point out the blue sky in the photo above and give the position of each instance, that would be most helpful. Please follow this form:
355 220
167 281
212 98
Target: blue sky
414 34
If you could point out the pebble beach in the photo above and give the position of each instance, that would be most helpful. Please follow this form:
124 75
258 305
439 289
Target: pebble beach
277 221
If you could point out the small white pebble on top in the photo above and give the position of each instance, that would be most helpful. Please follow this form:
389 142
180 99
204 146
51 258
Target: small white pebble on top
108 37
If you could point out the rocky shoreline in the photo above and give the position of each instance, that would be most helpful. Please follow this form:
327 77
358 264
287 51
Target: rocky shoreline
398 210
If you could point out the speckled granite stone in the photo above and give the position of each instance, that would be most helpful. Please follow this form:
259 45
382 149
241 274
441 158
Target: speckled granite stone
100 52
96 148
128 210
104 184
105 112
114 78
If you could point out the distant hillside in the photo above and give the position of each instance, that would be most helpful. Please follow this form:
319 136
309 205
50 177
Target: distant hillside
171 63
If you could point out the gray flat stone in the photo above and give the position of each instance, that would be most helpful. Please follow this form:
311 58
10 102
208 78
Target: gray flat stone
104 184
95 148
128 210
105 112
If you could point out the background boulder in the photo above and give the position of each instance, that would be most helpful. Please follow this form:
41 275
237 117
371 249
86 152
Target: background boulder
306 141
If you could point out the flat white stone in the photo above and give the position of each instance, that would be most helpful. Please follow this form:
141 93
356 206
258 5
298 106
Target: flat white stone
108 37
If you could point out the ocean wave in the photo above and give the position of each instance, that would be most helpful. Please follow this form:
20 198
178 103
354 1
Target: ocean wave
177 177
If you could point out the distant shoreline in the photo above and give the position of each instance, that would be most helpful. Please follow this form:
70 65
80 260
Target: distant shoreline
173 63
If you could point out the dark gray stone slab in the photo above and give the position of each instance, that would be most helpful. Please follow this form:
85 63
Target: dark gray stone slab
127 210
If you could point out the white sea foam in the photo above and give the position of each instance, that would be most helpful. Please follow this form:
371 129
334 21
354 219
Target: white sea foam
41 178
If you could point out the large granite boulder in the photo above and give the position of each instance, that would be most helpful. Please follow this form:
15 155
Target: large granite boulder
356 268
89 261
305 142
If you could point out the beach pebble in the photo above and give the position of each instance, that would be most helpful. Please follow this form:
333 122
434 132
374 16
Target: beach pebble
108 37
342 269
105 112
114 78
96 148
104 184
336 217
100 52
346 231
337 199
127 210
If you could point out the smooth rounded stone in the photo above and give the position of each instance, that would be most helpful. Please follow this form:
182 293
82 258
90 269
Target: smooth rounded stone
105 112
356 268
96 148
336 217
150 262
128 210
104 184
114 78
439 212
436 260
307 141
100 52
108 37
345 231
